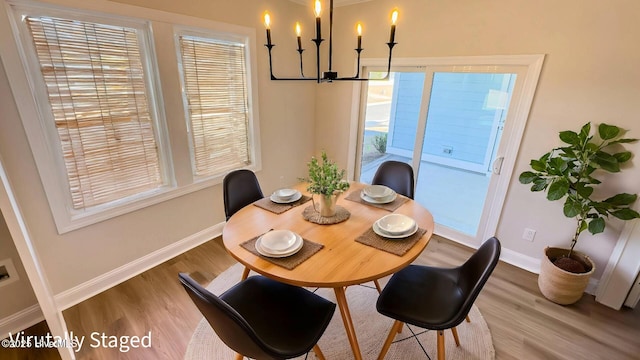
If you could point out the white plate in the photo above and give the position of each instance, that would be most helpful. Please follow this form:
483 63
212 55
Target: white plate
276 241
386 200
384 234
278 200
396 224
296 247
285 194
377 191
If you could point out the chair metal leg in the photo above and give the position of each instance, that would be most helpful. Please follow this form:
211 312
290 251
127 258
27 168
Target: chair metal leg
397 325
440 344
245 273
319 354
454 331
377 284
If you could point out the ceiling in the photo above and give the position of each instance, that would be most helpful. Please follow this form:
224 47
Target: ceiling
336 3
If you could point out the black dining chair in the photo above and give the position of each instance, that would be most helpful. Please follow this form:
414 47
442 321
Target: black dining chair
395 175
264 319
436 298
240 188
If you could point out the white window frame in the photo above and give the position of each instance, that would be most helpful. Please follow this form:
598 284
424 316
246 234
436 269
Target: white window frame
53 176
252 124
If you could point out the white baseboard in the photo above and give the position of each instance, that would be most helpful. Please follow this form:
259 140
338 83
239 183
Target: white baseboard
519 260
77 294
20 320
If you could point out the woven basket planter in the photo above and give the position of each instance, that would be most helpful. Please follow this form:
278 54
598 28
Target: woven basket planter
563 287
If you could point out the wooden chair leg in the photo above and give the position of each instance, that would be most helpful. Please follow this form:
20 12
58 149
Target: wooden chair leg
239 356
245 273
468 320
454 331
392 334
319 354
440 344
377 286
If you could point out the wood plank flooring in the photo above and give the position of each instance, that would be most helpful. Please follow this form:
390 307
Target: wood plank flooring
523 324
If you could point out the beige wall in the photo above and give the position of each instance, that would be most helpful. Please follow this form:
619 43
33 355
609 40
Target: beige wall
590 73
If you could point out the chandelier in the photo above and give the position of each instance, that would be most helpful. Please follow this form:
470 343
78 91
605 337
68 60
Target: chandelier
330 75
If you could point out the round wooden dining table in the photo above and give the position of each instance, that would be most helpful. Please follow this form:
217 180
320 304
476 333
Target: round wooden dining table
341 262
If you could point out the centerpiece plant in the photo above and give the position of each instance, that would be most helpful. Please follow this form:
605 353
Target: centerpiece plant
568 172
327 180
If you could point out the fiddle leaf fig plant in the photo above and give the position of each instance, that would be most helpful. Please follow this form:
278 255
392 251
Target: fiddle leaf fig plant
569 172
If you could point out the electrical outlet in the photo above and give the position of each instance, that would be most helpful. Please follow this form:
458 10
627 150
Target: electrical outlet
528 234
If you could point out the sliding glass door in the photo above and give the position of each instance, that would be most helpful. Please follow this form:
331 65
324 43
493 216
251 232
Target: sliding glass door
447 122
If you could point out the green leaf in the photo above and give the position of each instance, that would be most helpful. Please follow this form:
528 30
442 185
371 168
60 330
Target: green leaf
622 156
571 208
539 185
583 226
584 190
538 165
608 132
625 214
558 189
527 177
606 161
558 165
621 199
623 141
569 137
584 132
596 225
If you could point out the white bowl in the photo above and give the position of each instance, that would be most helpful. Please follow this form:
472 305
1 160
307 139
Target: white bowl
396 224
285 194
377 191
278 240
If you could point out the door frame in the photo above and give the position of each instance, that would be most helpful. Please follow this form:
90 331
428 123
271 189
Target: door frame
511 137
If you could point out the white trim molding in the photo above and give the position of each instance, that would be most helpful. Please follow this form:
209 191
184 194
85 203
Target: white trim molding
622 268
21 320
79 293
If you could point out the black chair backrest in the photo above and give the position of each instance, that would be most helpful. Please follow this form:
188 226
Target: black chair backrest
228 324
396 175
475 272
240 188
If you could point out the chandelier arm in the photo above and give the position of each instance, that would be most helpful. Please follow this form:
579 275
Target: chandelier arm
301 69
330 35
273 77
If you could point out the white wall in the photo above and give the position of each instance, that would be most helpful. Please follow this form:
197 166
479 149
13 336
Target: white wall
590 73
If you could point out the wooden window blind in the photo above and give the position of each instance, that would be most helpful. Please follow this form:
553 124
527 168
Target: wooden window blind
96 87
215 88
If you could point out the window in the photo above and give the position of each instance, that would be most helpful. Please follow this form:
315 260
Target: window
95 82
215 93
92 83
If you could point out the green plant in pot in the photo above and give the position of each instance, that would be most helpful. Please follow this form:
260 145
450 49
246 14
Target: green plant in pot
327 180
568 172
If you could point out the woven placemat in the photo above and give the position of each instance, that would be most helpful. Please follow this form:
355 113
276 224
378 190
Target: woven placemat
277 208
392 206
290 262
395 246
310 214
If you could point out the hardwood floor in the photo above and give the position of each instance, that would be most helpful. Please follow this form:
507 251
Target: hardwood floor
523 324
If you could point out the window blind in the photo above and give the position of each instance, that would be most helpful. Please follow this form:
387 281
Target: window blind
215 90
96 87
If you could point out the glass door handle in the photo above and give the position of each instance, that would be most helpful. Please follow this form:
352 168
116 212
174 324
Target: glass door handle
497 165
